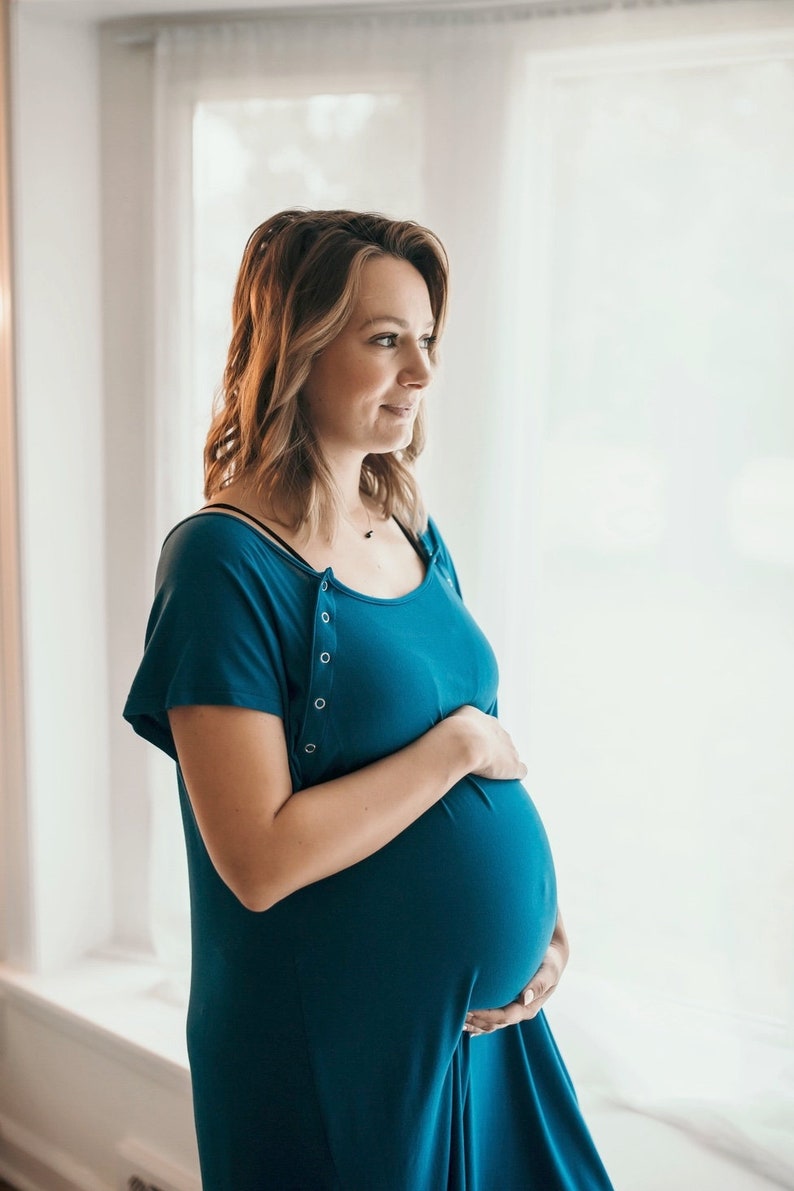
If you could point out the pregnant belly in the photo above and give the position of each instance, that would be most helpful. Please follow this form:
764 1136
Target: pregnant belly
459 907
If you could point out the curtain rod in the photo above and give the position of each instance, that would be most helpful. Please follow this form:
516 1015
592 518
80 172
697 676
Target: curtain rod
142 31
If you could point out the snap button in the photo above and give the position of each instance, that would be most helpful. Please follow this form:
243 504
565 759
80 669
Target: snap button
319 704
325 657
310 748
324 585
325 617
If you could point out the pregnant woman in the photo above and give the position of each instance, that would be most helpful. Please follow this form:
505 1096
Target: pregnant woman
374 912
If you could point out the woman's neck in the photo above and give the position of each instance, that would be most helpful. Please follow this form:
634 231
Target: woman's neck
357 510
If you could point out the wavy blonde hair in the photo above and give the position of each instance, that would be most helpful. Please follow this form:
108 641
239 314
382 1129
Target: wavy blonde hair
297 286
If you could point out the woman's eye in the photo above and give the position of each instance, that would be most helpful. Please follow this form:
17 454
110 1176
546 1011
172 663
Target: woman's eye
390 340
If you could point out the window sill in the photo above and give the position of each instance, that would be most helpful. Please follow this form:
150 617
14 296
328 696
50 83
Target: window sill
114 1005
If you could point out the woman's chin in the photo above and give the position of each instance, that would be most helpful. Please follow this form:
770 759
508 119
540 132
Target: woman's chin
385 444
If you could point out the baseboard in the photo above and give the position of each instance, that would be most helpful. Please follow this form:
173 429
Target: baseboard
138 1166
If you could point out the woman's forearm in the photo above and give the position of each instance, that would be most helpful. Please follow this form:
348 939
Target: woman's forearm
326 828
266 842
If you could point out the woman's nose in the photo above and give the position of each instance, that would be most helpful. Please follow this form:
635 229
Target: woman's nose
417 370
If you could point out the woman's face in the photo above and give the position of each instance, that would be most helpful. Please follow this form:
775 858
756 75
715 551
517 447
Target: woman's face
363 391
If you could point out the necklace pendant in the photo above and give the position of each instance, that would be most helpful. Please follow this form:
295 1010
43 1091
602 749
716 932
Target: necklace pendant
368 534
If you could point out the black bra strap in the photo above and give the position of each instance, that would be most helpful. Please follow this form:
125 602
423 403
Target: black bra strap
414 541
233 508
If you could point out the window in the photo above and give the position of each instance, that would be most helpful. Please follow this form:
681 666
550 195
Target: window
610 433
333 148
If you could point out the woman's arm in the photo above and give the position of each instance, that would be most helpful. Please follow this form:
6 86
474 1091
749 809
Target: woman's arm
266 842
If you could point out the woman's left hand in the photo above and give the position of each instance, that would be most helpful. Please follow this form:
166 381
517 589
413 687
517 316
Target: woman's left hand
533 997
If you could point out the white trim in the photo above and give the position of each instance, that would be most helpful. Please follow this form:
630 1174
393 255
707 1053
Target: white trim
154 12
127 200
115 1009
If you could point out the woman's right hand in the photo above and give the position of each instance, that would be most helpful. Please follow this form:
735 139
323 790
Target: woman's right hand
495 754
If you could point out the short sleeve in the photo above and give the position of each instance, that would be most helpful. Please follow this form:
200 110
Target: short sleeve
212 636
434 541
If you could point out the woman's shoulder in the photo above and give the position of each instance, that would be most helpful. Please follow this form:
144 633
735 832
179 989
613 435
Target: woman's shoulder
203 527
196 546
213 550
214 570
436 547
207 535
433 540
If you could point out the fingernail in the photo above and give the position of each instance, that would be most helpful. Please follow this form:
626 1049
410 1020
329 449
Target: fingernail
529 997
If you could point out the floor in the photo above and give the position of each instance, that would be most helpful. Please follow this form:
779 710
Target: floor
645 1155
641 1154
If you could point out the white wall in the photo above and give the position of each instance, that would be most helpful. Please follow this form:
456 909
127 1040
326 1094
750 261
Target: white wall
59 395
72 1092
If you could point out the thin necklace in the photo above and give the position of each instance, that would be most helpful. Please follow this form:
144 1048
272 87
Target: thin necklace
367 532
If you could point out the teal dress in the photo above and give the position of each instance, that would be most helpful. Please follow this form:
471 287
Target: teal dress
325 1034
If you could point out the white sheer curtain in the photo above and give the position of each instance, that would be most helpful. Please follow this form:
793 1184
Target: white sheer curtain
612 460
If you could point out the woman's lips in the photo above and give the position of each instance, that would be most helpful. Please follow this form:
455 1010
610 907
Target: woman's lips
400 411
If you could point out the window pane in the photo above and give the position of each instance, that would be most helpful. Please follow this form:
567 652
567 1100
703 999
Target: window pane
662 674
253 157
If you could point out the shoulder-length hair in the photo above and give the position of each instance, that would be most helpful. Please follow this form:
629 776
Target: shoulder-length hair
297 287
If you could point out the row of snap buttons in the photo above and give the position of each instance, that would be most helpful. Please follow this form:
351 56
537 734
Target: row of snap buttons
324 657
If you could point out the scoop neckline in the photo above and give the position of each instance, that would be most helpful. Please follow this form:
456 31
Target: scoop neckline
328 574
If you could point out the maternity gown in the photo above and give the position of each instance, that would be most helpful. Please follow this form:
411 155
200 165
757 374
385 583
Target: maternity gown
325 1034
